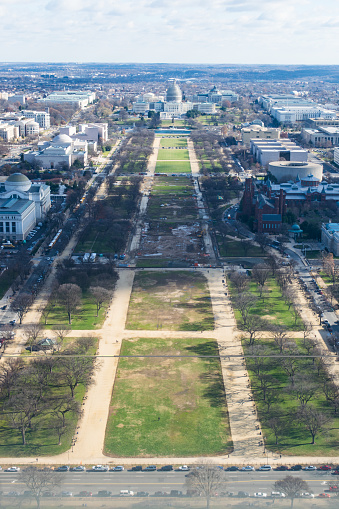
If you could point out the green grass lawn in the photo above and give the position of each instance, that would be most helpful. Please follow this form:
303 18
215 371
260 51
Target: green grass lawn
41 438
168 406
295 439
273 309
84 319
170 301
173 167
173 142
173 154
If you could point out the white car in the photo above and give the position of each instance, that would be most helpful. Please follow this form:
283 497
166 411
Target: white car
277 494
259 494
12 469
100 468
184 468
248 468
310 467
306 495
265 468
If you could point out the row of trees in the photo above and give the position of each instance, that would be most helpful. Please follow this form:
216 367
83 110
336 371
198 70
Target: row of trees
40 394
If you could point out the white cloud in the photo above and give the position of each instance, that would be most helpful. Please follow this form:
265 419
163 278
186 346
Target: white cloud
172 30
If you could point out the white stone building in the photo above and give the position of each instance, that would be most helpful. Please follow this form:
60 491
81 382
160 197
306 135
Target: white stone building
330 237
259 132
80 99
266 151
61 151
22 204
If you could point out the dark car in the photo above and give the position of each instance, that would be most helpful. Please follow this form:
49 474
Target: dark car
85 494
142 494
175 493
232 469
160 494
137 468
296 468
282 468
243 494
104 493
166 468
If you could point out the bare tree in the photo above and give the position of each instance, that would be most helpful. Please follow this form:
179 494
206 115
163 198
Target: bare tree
22 408
273 263
260 274
61 330
244 302
258 363
206 479
280 336
70 298
262 240
290 361
289 295
330 267
253 326
240 281
101 296
10 371
313 420
47 311
32 334
304 388
292 487
75 371
22 304
277 426
38 481
331 393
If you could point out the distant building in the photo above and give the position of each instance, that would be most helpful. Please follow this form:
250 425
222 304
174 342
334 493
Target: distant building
336 155
215 96
8 132
172 106
285 171
322 136
22 204
257 131
330 237
266 151
87 132
42 117
79 99
61 151
286 108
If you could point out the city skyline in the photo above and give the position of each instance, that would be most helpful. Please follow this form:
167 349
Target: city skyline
227 31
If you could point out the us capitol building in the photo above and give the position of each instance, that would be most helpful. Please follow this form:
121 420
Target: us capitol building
173 106
22 205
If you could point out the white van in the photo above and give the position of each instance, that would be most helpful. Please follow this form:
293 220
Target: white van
126 493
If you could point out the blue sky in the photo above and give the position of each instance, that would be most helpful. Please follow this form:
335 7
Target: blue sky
192 31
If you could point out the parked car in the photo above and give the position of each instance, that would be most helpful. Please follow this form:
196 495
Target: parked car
64 468
104 493
100 468
66 494
260 494
232 469
12 469
184 468
150 468
248 468
277 494
126 493
137 468
166 468
243 494
85 494
296 468
310 467
142 494
265 468
324 495
306 494
118 468
282 468
79 468
325 468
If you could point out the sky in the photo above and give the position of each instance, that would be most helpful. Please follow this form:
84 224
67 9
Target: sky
174 31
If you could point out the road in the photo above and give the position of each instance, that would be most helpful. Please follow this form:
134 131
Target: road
250 482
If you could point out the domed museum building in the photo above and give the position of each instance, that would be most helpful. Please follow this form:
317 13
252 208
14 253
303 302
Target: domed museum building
22 205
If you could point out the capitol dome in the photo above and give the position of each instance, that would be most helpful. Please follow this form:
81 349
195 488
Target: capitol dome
17 182
173 93
62 140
